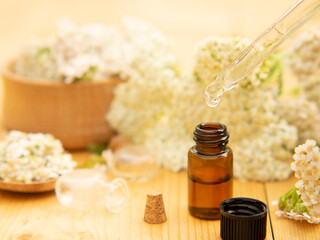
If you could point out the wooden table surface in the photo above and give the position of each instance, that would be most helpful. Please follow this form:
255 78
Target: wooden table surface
40 216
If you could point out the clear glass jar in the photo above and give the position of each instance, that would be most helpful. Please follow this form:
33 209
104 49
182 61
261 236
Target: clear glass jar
85 188
210 170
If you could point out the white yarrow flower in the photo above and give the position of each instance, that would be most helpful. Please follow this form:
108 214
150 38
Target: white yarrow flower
32 157
306 166
88 52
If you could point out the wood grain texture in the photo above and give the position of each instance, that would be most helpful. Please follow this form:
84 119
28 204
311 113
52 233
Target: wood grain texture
40 216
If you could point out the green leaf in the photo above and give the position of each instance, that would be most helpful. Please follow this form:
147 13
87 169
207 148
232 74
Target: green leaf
289 207
92 161
43 51
300 208
276 70
282 203
214 56
296 91
284 199
291 201
95 148
88 75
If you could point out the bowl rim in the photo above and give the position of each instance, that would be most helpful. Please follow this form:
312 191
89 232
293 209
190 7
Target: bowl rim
7 72
32 187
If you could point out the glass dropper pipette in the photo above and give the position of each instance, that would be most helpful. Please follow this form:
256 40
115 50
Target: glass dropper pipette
260 49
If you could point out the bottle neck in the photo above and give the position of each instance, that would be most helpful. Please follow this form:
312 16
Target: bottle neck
211 138
207 150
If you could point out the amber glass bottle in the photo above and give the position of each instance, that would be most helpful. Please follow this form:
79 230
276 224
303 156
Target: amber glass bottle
210 170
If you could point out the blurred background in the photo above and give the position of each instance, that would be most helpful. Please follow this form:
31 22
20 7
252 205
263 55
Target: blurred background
184 22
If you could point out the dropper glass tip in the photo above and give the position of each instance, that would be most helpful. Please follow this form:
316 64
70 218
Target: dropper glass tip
213 94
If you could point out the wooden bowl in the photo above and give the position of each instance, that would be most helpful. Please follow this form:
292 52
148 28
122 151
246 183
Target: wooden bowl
73 113
33 187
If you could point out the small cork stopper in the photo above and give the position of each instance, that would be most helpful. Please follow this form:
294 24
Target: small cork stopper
154 212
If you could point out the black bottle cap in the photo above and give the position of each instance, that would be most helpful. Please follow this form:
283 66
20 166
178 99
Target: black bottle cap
243 219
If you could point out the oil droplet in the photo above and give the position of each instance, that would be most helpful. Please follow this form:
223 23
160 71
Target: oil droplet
214 92
212 101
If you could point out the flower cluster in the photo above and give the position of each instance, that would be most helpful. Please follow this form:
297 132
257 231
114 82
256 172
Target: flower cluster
76 53
260 138
215 53
263 156
159 107
304 202
32 157
303 114
306 166
144 108
305 63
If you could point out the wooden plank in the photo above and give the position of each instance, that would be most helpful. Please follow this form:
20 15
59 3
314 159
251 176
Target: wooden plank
40 216
285 228
252 190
